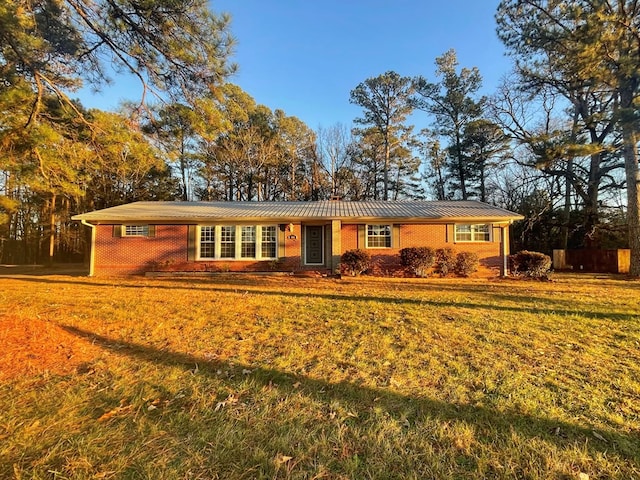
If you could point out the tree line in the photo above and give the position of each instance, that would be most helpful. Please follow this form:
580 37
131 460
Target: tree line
557 142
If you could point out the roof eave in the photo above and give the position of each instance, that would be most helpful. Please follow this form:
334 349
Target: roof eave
296 219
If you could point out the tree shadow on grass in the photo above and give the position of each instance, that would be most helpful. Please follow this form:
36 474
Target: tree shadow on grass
250 287
491 422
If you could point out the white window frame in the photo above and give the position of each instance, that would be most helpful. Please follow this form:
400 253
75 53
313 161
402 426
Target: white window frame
144 230
212 242
476 235
238 243
261 243
388 226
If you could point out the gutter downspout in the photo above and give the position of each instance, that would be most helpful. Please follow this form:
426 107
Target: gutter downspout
92 251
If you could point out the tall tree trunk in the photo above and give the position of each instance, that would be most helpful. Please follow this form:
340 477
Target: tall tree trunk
630 152
592 218
460 165
387 154
566 211
440 181
183 176
52 228
294 167
250 188
633 195
334 191
483 188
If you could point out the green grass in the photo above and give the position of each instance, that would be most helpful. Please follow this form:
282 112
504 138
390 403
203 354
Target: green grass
273 377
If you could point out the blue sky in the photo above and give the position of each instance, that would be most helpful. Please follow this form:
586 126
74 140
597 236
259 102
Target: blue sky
304 57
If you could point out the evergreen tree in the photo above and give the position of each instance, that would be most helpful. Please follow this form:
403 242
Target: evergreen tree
594 43
385 100
452 104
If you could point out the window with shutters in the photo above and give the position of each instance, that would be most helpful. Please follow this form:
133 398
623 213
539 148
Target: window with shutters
378 236
237 242
473 232
135 230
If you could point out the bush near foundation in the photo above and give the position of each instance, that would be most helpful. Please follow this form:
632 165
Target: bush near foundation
418 259
466 263
445 261
355 262
530 264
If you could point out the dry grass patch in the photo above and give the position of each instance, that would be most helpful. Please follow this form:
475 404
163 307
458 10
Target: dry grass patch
35 347
265 377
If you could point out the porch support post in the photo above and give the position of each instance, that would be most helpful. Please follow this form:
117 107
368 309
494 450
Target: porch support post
504 250
336 245
92 251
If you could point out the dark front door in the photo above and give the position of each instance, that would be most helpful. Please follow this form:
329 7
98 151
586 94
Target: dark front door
314 244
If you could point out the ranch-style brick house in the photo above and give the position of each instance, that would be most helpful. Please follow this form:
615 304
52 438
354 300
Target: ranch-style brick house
143 237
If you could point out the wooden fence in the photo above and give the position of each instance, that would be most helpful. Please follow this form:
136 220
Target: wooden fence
601 261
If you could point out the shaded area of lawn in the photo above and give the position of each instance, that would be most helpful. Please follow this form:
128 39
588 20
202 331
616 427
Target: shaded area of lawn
235 286
247 377
493 422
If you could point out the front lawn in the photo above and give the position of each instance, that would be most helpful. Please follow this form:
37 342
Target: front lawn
243 377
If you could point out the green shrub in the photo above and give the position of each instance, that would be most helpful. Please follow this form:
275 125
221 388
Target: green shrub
530 264
445 261
466 263
418 259
355 262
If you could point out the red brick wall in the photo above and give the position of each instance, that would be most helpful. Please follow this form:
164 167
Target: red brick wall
167 251
349 237
387 261
135 255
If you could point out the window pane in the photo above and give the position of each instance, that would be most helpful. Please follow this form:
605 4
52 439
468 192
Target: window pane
378 236
463 233
481 233
136 230
473 233
207 242
269 242
248 242
228 242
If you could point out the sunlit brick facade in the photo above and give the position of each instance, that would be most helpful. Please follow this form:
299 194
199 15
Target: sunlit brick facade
301 237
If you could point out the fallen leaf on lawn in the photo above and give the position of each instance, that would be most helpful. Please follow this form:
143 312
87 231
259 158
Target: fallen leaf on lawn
280 459
296 385
599 437
230 400
115 412
104 474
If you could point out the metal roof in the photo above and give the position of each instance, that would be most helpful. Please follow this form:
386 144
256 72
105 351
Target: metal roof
189 212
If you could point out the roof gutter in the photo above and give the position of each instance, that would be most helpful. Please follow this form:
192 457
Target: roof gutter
92 250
